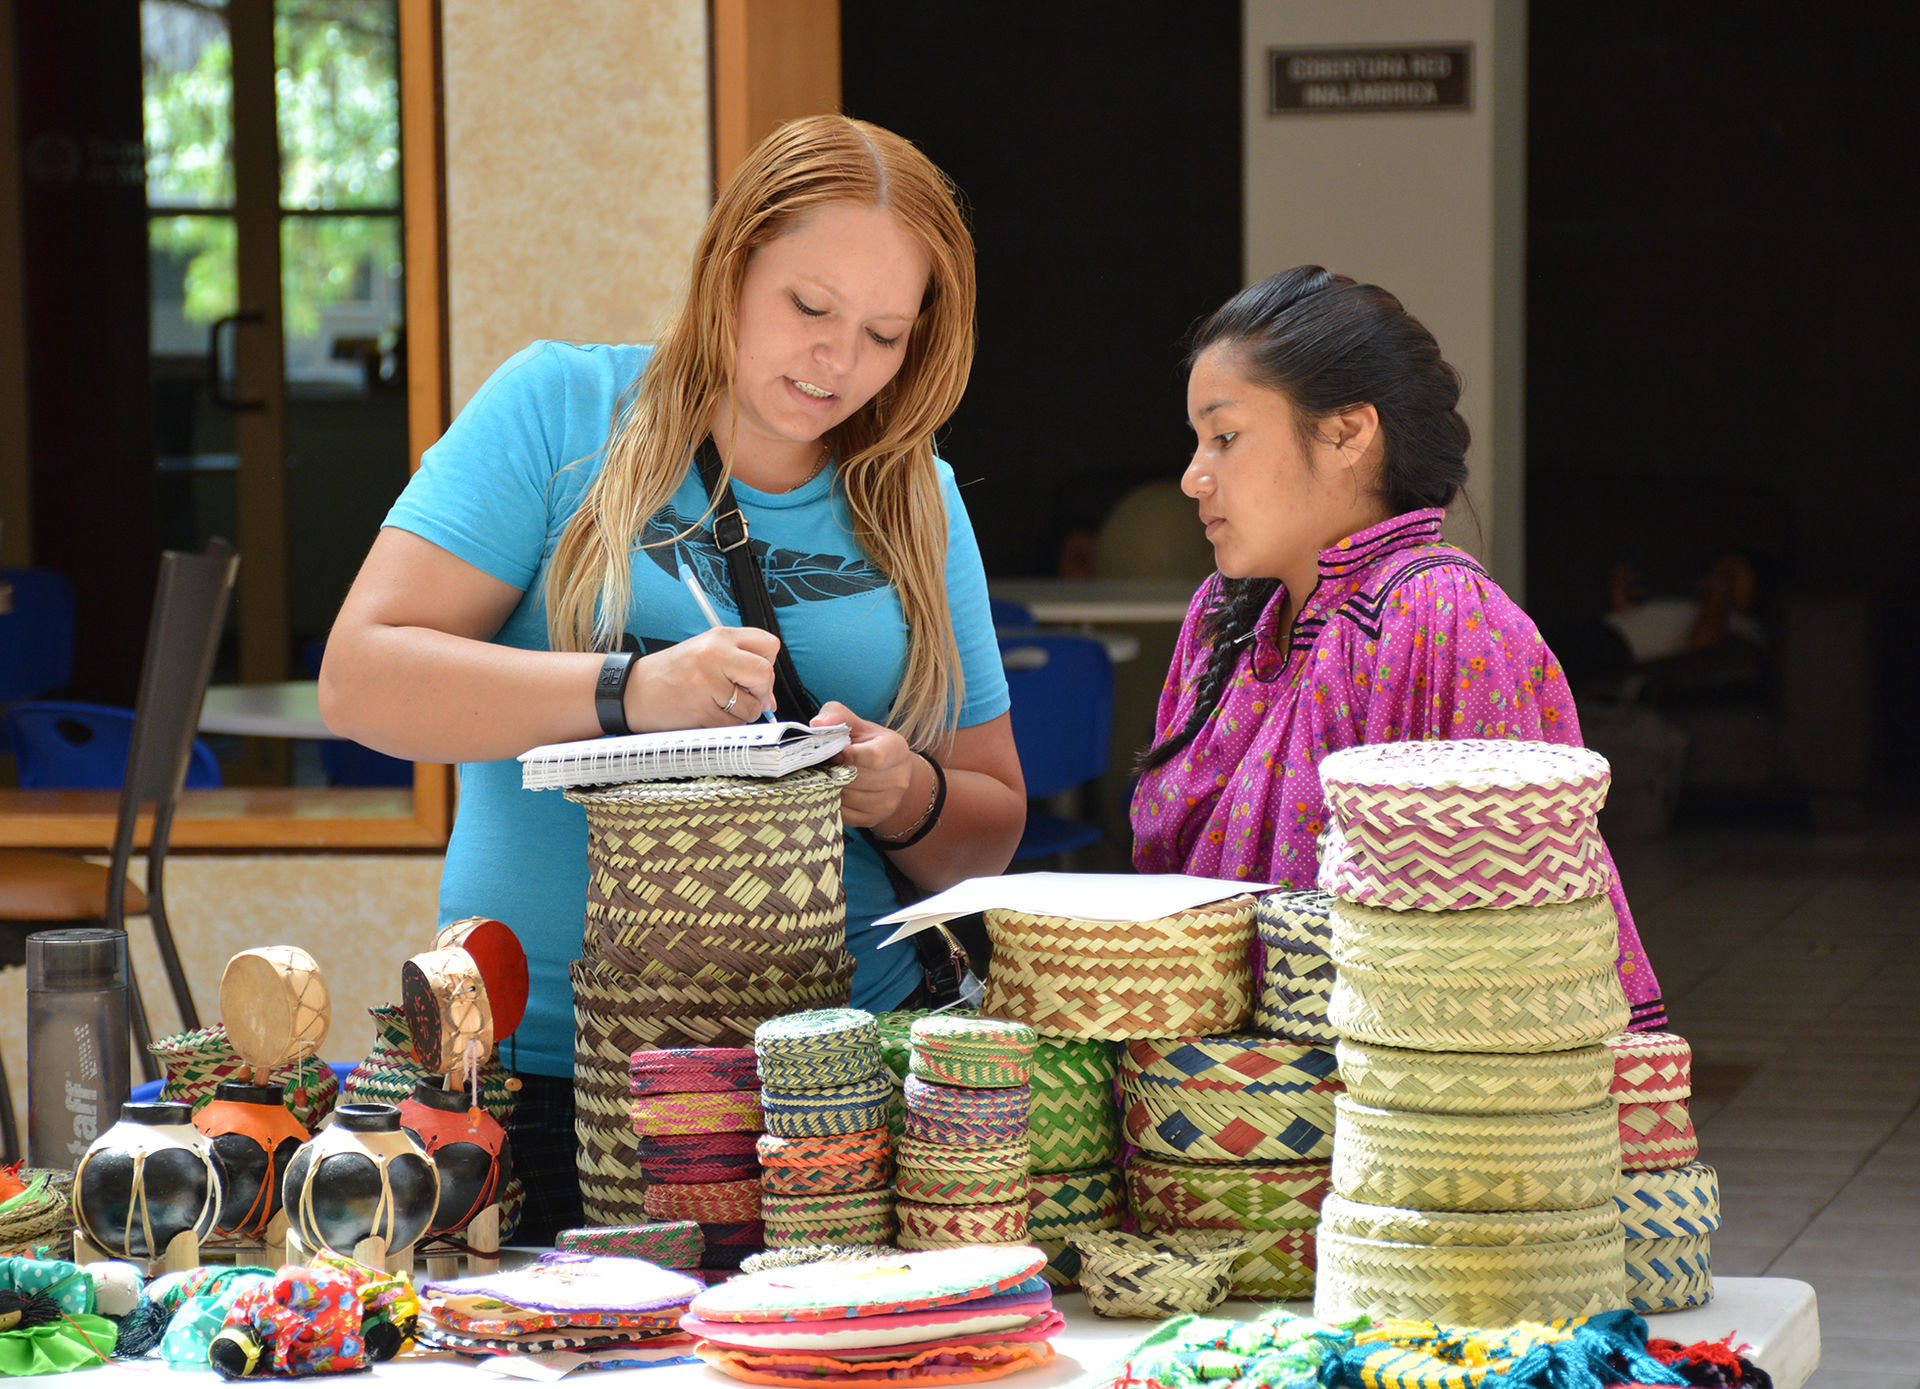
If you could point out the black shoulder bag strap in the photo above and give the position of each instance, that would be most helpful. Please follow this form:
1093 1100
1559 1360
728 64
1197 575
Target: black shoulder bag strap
943 976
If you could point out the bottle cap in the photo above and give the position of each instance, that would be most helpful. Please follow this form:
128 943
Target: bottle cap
80 957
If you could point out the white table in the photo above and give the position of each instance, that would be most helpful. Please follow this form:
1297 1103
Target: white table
285 709
1099 600
1777 1317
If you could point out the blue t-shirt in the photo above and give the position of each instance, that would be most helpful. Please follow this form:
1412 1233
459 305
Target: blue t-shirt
498 490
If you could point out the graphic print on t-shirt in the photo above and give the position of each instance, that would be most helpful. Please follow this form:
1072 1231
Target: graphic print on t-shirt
792 576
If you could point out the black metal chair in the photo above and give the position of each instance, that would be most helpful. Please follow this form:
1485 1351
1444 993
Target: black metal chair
42 891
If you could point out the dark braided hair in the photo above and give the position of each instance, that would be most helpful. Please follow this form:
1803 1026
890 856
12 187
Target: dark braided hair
1328 343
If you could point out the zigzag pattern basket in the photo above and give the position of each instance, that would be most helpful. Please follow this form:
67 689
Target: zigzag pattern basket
941 1227
1664 1275
854 1217
1669 1205
1063 1204
1468 823
1072 1121
1651 1066
1229 1099
1298 975
738 873
1187 974
1274 1207
1463 1082
1475 1162
1520 980
1467 1270
1125 1275
1657 1136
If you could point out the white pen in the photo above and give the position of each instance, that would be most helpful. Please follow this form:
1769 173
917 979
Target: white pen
707 610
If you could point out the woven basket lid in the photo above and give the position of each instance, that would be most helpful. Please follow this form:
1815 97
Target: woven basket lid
1475 1162
1403 1225
1670 1204
1463 1082
502 963
274 1003
882 1285
1651 1066
1551 941
1469 781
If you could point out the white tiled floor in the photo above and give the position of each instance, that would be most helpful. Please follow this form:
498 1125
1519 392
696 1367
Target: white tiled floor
1792 964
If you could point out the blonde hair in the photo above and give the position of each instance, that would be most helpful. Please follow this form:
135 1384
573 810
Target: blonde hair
884 451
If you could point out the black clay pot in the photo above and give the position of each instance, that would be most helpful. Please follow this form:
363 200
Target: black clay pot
146 1180
361 1177
253 1137
468 1147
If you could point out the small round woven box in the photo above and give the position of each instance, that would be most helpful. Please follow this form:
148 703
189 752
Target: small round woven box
1063 1204
1493 1269
1468 823
1274 1206
1676 1204
1525 979
825 1166
696 1112
710 1203
946 1174
950 1114
817 1113
1462 1082
1475 1162
819 1050
1664 1275
980 1053
699 1157
1298 974
1229 1099
680 1070
939 1227
1126 1275
1072 1120
1652 1080
1186 974
852 1217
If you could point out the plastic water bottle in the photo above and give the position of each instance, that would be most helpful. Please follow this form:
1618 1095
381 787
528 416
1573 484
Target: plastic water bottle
76 1041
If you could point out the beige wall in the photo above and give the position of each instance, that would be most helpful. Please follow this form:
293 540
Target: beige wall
1430 206
359 916
578 170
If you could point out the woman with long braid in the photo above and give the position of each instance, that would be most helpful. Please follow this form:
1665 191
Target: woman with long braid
1329 448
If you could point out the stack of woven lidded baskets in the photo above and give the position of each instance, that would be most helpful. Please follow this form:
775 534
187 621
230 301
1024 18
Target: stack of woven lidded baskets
1669 1200
1478 1151
712 905
1084 985
696 1111
960 1167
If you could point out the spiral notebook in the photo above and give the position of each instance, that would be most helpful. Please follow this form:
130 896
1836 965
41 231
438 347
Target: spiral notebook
751 749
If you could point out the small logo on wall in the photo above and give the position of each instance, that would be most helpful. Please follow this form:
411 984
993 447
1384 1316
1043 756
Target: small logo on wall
1409 77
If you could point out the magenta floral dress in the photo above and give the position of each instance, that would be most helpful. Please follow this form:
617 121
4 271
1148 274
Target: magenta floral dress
1404 637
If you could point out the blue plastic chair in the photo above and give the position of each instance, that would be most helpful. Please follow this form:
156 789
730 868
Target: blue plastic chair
1009 616
65 745
36 637
1061 685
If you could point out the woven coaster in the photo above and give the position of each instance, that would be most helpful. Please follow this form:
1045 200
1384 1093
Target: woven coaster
912 1154
882 1286
713 1111
937 1227
826 1181
817 1113
1527 979
819 1050
1476 1162
1126 1275
718 1168
1658 1135
794 1255
1298 976
670 1244
953 1114
1186 974
1664 1275
1062 1204
939 1189
1464 1284
1072 1120
735 1202
1651 1066
690 1149
856 1217
1478 822
985 1053
679 1070
1462 1082
1219 1196
1671 1204
1229 1099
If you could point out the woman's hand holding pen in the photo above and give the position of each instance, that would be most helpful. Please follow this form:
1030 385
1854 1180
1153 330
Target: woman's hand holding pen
720 678
885 769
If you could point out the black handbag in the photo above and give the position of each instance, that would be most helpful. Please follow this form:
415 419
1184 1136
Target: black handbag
947 972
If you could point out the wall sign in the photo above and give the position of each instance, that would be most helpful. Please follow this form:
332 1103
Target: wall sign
1403 77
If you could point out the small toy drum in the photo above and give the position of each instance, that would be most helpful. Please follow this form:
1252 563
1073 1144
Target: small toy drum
503 966
448 1012
274 1003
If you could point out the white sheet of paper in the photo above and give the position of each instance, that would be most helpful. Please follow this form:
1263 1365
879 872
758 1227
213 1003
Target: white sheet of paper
1085 896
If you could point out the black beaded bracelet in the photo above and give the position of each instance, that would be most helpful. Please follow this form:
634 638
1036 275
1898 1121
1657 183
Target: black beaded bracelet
922 827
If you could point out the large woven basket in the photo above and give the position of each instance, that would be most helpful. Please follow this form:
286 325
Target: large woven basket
1297 975
1126 1275
1229 1099
1464 1082
1470 823
1064 1204
1476 1162
1186 974
738 874
1467 1270
1274 1206
1526 979
197 1060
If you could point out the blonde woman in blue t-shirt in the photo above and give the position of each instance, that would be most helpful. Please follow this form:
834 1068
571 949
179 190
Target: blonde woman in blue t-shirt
827 333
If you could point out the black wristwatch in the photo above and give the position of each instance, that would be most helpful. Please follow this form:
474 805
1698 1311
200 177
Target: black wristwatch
610 692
